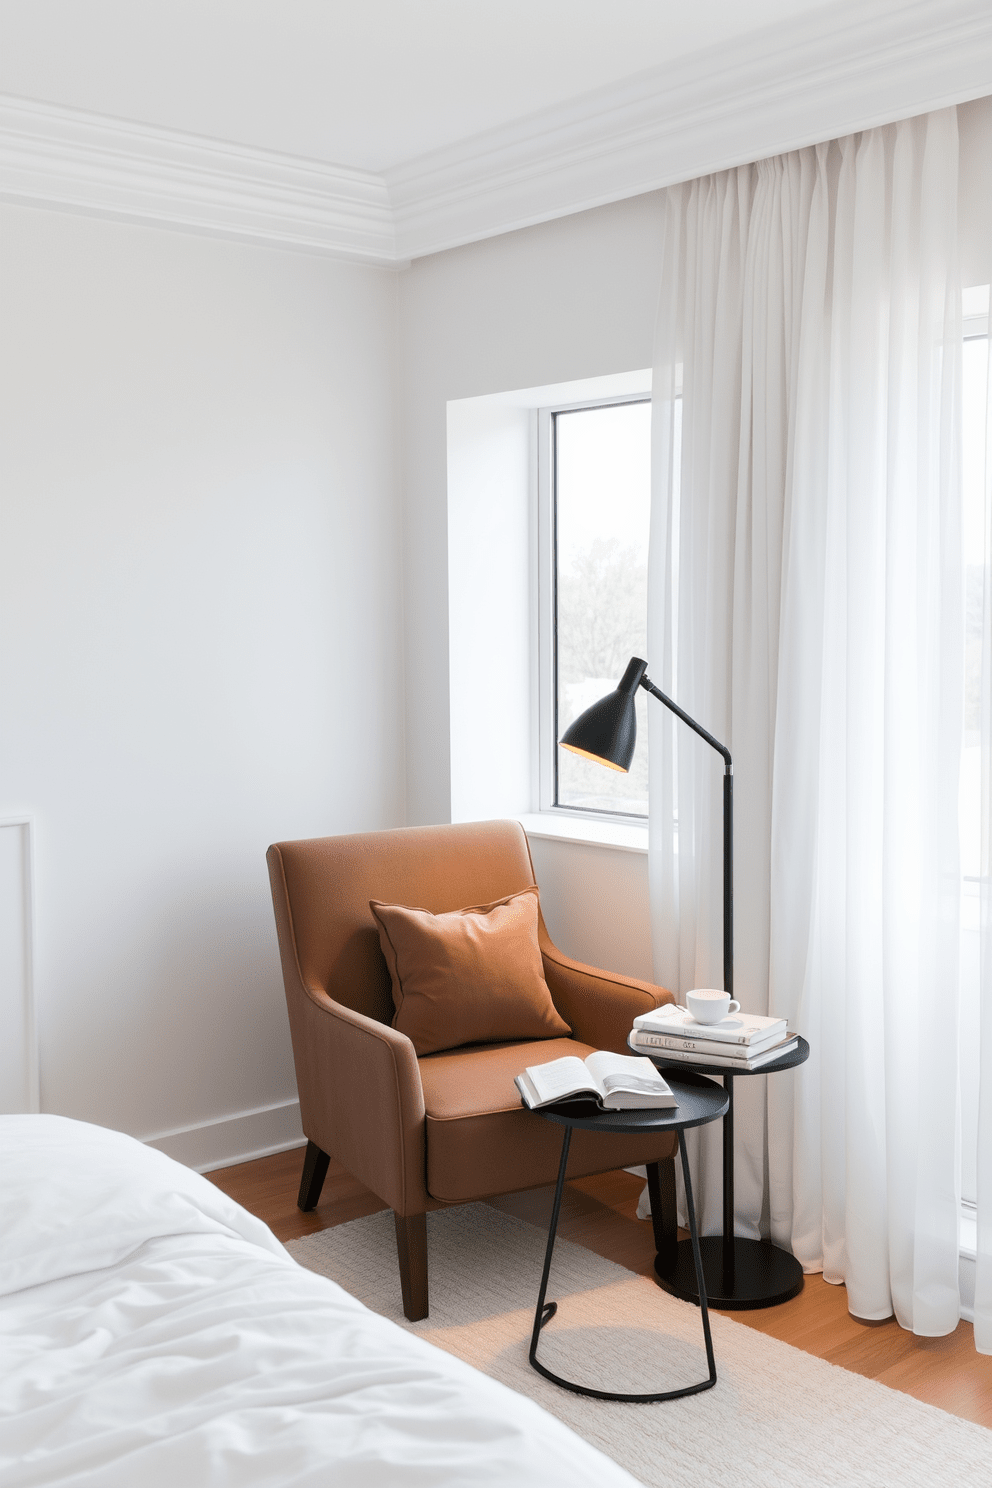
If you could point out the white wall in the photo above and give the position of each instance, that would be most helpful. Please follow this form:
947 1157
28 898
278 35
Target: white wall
489 608
566 300
595 903
202 567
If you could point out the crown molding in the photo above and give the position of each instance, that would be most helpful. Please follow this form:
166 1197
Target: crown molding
76 161
814 79
823 75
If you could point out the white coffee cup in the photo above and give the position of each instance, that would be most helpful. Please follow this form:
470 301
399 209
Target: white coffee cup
709 1004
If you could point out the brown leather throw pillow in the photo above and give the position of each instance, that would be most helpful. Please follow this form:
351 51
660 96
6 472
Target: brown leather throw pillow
470 976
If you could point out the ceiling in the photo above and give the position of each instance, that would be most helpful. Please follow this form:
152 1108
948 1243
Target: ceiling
363 83
385 130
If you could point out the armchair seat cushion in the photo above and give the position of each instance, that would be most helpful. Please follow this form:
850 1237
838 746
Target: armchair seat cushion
482 1141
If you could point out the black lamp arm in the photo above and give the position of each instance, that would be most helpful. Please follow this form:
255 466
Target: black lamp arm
728 829
649 686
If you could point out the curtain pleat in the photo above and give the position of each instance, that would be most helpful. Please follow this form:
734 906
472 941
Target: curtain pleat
983 1247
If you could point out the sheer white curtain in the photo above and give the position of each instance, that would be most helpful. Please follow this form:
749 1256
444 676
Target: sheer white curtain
806 606
983 1249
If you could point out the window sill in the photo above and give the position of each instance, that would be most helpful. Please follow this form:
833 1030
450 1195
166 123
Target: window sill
560 827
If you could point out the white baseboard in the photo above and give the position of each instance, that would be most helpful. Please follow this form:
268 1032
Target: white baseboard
233 1139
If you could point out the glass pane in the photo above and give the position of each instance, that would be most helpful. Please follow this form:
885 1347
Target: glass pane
602 505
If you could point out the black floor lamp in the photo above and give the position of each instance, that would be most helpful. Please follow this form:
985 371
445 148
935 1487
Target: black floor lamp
739 1273
607 733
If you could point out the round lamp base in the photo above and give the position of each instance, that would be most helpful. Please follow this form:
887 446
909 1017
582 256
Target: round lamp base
762 1275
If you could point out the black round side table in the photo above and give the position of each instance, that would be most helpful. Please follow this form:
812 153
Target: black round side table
740 1274
699 1100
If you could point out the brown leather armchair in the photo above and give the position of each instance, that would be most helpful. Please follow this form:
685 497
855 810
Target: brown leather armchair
447 1128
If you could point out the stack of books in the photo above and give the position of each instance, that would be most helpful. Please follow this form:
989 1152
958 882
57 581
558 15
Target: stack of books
740 1042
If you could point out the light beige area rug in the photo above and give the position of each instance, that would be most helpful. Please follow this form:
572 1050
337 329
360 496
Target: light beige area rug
777 1417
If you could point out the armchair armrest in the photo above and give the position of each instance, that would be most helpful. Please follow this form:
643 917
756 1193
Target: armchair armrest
361 1097
600 1006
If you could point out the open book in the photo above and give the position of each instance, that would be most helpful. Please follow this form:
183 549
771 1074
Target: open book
610 1082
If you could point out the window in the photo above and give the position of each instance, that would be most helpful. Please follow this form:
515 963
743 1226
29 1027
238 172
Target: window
595 494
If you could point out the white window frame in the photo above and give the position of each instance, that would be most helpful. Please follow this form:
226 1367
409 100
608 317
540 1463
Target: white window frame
546 742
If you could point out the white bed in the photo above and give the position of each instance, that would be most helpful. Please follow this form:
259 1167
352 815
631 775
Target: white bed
153 1333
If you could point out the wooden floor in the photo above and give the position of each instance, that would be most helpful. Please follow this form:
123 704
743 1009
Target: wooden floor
600 1214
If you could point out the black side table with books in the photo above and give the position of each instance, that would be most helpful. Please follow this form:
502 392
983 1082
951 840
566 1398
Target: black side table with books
740 1274
699 1101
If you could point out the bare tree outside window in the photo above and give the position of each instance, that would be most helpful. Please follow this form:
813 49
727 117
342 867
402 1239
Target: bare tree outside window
602 481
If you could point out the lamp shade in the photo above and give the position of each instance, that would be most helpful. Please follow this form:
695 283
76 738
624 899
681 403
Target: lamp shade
607 731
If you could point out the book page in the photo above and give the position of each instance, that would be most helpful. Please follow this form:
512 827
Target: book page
525 1085
623 1072
560 1077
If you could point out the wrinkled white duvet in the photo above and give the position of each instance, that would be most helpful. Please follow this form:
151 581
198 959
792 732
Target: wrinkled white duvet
155 1335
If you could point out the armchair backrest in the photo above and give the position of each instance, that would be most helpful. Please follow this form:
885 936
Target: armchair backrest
321 890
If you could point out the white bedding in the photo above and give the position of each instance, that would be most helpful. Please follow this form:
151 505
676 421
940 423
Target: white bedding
154 1333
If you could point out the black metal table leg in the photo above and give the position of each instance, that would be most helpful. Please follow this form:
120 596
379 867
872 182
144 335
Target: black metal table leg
700 1274
546 1311
729 1249
544 1315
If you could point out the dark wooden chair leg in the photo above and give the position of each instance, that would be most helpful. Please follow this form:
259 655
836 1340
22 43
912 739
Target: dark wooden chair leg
664 1216
312 1181
411 1247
